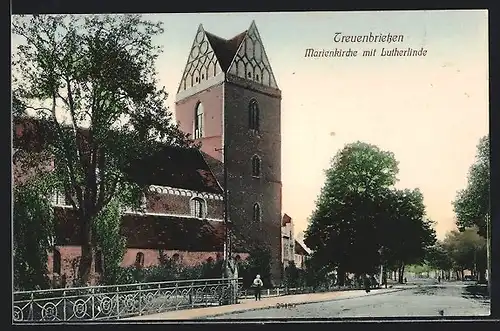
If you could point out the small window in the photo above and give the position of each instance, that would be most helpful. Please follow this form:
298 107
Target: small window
255 166
198 121
198 208
197 79
139 260
237 258
253 115
257 77
202 76
56 262
249 74
256 213
210 260
176 257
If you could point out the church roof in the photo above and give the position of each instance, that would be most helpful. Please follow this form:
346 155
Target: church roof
148 231
225 49
176 167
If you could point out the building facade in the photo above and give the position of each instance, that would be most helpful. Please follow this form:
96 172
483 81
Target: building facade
228 99
288 240
181 216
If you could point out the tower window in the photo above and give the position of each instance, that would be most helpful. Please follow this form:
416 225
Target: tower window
139 260
253 115
256 213
198 121
255 166
198 208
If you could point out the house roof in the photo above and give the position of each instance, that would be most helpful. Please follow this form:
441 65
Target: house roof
171 166
225 49
285 220
157 232
301 248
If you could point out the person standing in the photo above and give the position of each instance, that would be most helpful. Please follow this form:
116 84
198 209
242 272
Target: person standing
257 284
367 283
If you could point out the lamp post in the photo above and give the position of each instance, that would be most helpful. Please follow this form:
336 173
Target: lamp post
229 270
381 252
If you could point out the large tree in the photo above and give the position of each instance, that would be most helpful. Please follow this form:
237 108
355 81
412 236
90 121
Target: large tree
467 250
92 81
341 229
404 212
472 204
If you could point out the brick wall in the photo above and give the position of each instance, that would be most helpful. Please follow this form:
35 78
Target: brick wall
244 189
212 100
180 205
70 256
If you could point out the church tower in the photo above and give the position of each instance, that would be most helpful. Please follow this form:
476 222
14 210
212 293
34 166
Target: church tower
228 100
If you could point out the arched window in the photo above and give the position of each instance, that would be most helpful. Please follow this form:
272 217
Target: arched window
176 257
198 121
98 262
56 262
237 258
255 166
198 208
139 260
253 115
256 213
210 260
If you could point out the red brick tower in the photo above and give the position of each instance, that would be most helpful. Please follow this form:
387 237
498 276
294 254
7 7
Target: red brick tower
228 95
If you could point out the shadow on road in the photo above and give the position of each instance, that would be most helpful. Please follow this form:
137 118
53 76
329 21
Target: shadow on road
476 292
428 290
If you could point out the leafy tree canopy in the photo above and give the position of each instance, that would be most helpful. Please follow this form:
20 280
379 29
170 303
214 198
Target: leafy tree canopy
92 81
472 204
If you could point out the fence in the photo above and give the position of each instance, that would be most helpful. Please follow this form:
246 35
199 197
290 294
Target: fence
119 301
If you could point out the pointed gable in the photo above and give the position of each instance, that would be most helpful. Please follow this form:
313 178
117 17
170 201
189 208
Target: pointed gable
202 63
251 61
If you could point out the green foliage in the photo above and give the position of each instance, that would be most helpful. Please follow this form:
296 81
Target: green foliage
358 212
467 250
33 222
292 275
438 258
110 241
97 73
472 205
258 263
169 270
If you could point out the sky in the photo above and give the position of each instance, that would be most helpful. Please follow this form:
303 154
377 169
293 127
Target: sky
429 111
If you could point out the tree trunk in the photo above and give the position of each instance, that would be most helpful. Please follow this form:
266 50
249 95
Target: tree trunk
400 274
482 275
341 277
86 269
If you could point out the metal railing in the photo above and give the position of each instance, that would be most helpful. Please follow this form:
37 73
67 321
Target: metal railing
119 301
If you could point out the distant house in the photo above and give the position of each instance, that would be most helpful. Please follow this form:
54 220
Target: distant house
301 253
287 241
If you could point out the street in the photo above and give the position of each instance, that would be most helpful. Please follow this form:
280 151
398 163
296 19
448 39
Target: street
453 299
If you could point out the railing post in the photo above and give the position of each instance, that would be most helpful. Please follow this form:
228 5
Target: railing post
191 302
92 296
117 302
64 305
140 300
31 306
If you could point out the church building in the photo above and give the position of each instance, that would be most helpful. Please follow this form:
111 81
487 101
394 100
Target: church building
228 99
